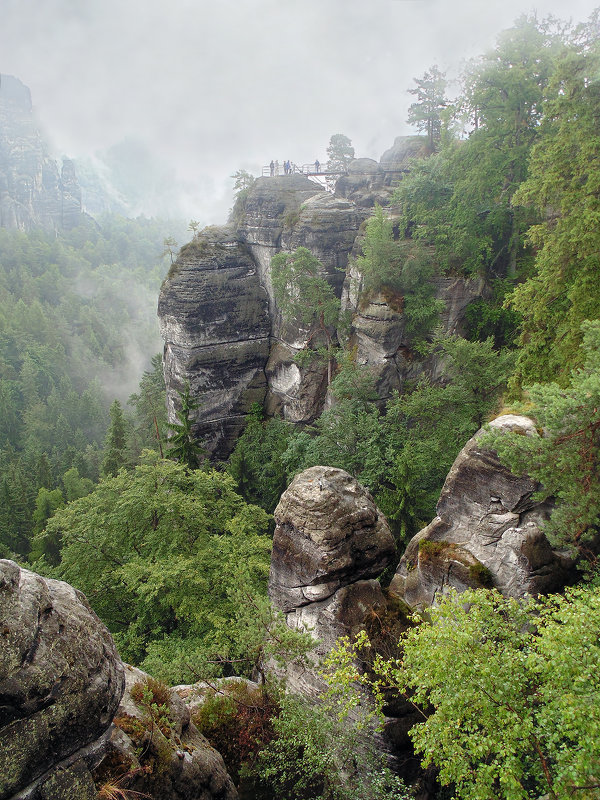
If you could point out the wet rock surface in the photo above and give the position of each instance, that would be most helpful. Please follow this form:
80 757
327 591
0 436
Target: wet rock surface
489 531
61 681
329 533
157 751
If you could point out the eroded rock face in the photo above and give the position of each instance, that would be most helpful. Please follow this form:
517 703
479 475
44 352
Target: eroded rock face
161 756
33 191
214 319
329 533
488 532
61 681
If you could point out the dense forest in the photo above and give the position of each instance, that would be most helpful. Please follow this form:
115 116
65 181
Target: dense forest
173 553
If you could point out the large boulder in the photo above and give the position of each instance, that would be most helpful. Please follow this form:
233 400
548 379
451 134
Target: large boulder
156 751
61 680
329 533
488 532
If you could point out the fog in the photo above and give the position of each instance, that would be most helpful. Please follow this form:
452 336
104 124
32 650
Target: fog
211 86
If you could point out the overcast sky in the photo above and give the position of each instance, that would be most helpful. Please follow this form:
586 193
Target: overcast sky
211 86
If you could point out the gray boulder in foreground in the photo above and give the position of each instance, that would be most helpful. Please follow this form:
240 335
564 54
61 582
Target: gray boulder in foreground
488 532
61 680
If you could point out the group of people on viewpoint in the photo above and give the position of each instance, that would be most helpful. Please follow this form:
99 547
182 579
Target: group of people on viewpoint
287 167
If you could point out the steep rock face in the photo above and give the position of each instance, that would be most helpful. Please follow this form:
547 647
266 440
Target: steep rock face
214 320
329 533
281 214
161 756
330 544
61 681
33 191
488 531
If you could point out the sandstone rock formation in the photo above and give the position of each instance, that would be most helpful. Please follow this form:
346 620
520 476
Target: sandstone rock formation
488 532
61 681
34 192
156 750
330 544
215 323
329 533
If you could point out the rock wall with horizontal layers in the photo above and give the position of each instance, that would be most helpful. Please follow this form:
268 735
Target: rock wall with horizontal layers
61 680
235 350
34 191
214 319
488 532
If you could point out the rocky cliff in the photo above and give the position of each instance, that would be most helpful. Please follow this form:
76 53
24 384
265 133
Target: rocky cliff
234 349
34 190
488 532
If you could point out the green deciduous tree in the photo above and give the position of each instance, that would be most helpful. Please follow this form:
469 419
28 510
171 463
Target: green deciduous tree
563 184
510 692
170 559
303 294
339 153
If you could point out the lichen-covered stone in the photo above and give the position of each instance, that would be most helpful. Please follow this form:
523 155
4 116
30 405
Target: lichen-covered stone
329 533
61 681
157 751
490 514
215 322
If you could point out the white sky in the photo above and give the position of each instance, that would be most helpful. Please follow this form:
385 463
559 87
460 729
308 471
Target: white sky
211 86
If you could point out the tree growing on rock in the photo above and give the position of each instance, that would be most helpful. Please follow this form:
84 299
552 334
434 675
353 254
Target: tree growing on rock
303 294
339 153
426 112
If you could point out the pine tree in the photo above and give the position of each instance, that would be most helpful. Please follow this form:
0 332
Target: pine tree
116 441
426 112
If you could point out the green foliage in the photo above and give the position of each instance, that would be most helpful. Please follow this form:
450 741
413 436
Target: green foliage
315 757
339 153
304 295
256 463
563 185
73 310
566 458
514 693
171 560
426 112
114 448
237 721
183 446
403 272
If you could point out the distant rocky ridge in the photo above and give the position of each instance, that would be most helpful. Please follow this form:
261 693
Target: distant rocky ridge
246 352
34 190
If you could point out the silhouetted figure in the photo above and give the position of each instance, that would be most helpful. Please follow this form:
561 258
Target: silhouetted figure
276 166
317 166
272 167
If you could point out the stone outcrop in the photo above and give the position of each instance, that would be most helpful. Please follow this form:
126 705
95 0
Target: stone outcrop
330 544
489 531
61 681
280 214
215 322
329 533
156 750
34 191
